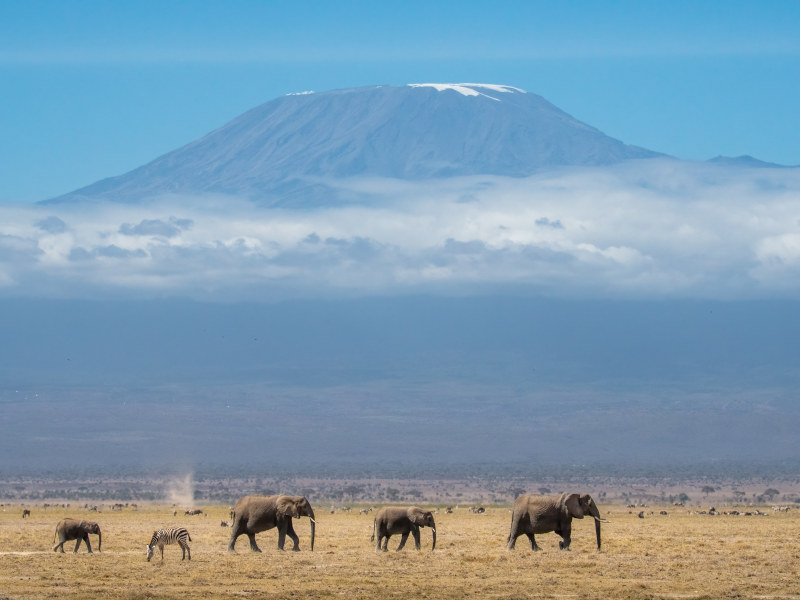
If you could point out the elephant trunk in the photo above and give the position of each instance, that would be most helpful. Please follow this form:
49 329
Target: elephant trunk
99 540
595 512
597 531
433 547
313 527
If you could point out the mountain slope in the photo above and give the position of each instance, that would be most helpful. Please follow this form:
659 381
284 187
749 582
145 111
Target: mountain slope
280 151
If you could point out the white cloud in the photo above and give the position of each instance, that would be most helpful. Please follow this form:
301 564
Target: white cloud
643 229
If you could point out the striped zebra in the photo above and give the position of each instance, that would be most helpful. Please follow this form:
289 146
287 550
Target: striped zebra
173 535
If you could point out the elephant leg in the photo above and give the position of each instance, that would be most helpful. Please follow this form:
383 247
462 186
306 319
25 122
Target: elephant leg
293 536
565 532
381 535
386 543
281 535
514 533
77 545
59 546
534 546
253 546
512 539
402 541
232 541
235 533
415 533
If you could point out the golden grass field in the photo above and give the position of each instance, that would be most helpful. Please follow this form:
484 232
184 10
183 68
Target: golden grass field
680 555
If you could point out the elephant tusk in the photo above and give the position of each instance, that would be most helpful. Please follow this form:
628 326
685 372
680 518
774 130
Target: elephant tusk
312 520
601 520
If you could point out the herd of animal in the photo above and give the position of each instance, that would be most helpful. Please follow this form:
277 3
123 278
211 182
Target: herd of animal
531 514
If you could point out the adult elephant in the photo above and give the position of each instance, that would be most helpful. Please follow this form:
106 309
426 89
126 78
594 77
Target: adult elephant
404 520
254 514
541 514
72 529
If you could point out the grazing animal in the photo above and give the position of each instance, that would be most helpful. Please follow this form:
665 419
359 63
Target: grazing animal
174 535
193 512
26 513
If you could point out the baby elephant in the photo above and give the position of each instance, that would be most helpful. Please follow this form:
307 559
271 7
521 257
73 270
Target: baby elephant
71 529
398 519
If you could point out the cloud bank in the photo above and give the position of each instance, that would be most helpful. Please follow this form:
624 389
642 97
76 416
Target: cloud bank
643 229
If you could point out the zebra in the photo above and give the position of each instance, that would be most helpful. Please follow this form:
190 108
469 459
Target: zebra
174 535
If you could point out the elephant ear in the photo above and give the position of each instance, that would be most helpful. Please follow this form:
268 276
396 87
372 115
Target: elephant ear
287 507
573 504
416 516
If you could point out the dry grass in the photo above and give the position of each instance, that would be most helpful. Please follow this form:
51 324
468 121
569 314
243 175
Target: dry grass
676 556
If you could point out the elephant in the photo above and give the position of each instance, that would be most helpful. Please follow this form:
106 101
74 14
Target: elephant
404 520
71 529
254 514
541 514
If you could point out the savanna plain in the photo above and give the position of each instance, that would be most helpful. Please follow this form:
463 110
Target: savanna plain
682 554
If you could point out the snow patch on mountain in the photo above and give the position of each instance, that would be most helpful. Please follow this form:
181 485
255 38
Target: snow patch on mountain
468 89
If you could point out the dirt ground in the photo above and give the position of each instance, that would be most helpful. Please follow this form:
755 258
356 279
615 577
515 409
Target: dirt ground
678 555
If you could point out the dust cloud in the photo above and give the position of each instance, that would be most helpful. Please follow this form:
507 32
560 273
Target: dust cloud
180 491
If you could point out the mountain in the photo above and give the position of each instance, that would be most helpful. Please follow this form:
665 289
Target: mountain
745 161
284 152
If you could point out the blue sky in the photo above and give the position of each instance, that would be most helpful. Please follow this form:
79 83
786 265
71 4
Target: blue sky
94 89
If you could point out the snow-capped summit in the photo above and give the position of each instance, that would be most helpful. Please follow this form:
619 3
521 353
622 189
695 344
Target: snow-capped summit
285 151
